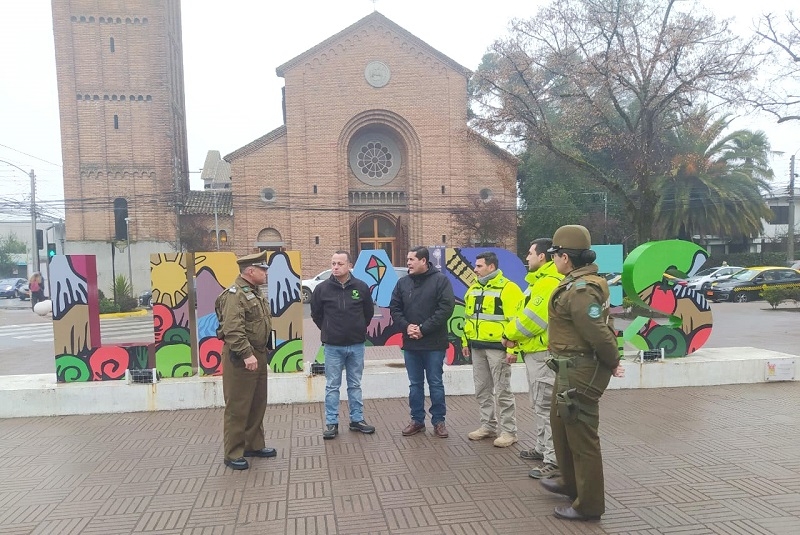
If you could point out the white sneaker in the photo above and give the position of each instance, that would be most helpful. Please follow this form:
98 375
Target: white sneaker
505 440
481 433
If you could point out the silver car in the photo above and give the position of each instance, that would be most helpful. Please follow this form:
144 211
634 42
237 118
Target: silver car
701 281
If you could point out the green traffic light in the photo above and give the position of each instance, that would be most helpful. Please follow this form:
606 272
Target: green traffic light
51 250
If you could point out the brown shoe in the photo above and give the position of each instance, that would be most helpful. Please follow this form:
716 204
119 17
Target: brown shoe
413 428
441 430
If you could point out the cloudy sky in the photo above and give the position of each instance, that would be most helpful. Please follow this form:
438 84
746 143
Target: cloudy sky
231 50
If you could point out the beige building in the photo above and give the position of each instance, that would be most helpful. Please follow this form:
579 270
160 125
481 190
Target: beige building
123 130
374 152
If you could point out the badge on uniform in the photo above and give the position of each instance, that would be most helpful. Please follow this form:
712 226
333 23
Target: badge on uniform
355 294
537 300
595 311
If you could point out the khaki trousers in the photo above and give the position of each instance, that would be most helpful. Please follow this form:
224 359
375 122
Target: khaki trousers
540 387
245 395
492 375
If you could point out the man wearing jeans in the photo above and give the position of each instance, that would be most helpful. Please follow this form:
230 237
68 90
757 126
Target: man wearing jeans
342 308
421 306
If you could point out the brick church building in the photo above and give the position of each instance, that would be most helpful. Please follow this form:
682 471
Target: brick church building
375 151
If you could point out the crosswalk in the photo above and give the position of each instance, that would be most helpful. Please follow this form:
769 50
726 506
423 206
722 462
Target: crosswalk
117 330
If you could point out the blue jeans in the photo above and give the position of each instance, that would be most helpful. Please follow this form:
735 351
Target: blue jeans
351 360
420 364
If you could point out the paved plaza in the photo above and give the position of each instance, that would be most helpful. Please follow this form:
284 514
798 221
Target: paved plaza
721 460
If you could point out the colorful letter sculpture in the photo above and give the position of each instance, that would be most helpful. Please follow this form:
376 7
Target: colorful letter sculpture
645 282
185 287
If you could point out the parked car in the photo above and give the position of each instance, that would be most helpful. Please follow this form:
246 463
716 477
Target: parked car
8 287
747 284
702 280
24 292
308 285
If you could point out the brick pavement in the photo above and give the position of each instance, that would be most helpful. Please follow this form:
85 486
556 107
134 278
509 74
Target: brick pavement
721 460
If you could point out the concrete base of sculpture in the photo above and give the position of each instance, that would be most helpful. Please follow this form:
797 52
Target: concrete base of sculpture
40 395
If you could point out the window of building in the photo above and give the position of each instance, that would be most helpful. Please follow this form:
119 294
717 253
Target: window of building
223 236
116 122
268 195
374 158
111 43
485 194
120 215
780 215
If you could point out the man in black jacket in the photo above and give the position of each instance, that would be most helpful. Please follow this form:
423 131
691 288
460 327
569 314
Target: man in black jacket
421 306
342 308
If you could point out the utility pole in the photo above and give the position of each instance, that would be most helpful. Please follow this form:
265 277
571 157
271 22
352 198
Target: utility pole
790 234
130 244
34 244
216 219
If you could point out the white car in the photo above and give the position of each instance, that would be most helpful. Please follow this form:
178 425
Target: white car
702 280
308 285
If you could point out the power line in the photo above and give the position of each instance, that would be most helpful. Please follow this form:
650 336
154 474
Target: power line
30 155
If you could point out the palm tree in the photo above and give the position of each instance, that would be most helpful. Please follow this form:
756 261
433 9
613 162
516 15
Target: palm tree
714 184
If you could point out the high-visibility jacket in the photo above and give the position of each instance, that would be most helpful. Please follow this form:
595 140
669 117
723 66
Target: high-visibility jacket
487 309
529 328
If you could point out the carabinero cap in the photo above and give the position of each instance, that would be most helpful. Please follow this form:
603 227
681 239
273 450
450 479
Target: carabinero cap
574 237
256 259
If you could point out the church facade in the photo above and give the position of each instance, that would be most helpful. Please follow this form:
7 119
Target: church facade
374 153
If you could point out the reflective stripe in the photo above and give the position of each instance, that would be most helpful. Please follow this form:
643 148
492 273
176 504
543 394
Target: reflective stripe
521 328
534 317
488 317
477 292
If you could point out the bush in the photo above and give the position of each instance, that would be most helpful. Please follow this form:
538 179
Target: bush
107 306
124 292
776 296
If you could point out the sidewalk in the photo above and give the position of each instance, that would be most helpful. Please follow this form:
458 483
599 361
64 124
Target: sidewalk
689 460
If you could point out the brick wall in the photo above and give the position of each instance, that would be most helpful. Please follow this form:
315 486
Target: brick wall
328 102
122 115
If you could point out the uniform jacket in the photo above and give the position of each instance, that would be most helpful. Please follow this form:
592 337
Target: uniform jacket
488 308
245 321
342 311
529 328
426 300
579 318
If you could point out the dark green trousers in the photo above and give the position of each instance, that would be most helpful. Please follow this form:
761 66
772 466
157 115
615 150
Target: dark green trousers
577 444
245 395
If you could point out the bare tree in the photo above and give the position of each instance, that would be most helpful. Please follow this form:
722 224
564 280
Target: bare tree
485 222
599 82
780 95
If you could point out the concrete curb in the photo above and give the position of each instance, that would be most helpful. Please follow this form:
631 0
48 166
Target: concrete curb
41 395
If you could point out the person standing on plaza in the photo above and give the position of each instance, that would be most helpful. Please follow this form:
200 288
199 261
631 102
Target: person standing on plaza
342 308
584 353
489 304
245 326
421 306
36 287
528 333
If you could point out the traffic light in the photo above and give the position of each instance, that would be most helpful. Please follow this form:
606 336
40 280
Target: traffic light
51 250
39 239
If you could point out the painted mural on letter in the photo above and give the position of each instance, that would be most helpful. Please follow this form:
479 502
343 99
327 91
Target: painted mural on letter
646 278
79 354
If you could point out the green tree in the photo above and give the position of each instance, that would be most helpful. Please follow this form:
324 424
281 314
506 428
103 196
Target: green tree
714 183
10 245
594 81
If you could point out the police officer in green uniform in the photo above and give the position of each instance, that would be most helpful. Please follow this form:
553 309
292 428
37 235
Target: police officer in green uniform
584 354
245 327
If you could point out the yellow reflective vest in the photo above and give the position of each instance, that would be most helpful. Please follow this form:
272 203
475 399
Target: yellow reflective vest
529 328
487 309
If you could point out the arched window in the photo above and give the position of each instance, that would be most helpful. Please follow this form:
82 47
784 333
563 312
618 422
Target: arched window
120 215
223 236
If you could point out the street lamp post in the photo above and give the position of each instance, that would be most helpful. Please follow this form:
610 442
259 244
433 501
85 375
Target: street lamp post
790 233
130 270
34 244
